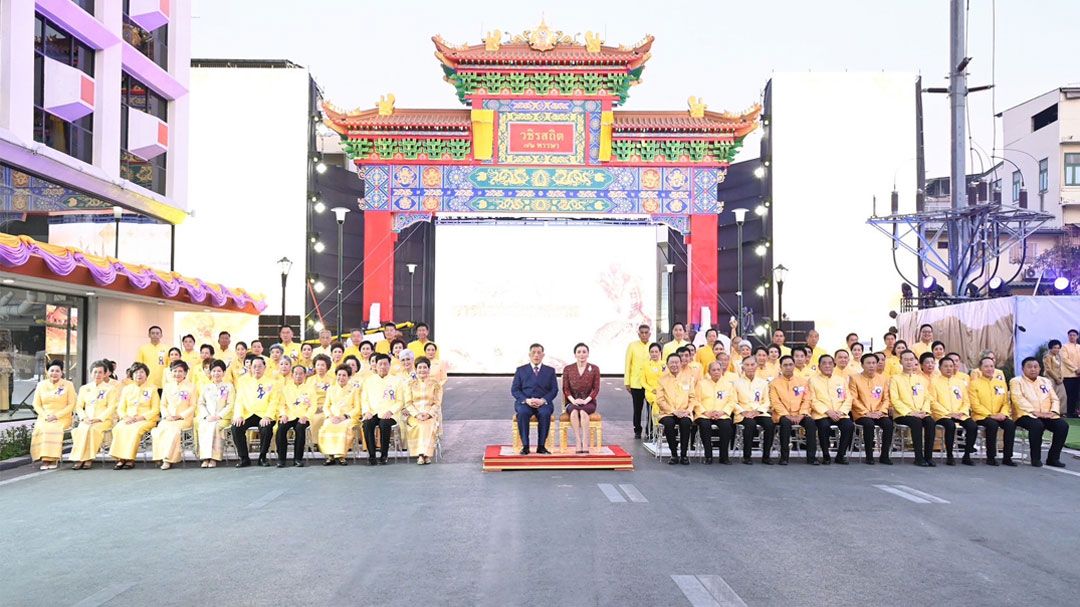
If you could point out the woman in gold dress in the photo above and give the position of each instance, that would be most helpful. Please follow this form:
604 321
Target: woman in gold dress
54 402
423 404
137 411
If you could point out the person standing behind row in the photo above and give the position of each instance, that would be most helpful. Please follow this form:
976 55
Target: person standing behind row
1070 357
637 358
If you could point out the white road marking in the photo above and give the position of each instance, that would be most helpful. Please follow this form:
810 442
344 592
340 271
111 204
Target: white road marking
25 476
907 496
612 493
633 493
266 499
104 595
721 591
922 494
1061 470
694 591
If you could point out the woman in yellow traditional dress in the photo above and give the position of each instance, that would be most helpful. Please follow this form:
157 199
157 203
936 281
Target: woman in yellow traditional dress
438 367
214 410
423 404
54 402
177 415
650 377
96 409
138 411
320 382
342 415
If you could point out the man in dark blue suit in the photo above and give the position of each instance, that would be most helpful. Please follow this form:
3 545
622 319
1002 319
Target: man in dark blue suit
535 388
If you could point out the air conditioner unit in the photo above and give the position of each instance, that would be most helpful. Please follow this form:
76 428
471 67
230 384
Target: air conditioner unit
1030 274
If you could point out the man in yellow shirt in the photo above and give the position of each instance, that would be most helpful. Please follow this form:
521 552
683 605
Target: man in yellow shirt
778 339
676 400
417 345
258 401
753 410
830 405
325 339
705 355
637 356
789 397
850 340
224 348
815 351
870 407
153 355
678 340
289 347
689 365
989 396
950 407
381 400
715 406
1036 408
910 400
926 341
390 333
1070 361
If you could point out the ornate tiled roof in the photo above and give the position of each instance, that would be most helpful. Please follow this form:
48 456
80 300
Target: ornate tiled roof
738 125
542 46
398 120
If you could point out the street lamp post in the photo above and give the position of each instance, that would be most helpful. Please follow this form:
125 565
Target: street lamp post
740 219
284 264
339 214
411 267
778 276
117 213
669 269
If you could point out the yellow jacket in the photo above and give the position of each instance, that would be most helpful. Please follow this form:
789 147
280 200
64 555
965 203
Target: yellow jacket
382 395
154 358
139 401
868 395
258 396
55 399
97 402
298 401
789 397
829 393
892 366
752 395
670 347
705 356
675 393
178 400
319 387
948 396
909 394
988 397
715 396
650 379
637 356
1029 397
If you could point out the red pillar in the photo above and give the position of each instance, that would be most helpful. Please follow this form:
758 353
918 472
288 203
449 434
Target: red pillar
379 239
702 273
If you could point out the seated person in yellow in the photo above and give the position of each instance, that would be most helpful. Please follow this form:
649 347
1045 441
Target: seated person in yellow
753 410
715 406
650 378
342 412
676 401
213 410
992 410
320 381
909 395
54 402
137 411
96 409
1037 408
381 400
298 405
950 407
830 405
423 403
870 406
258 400
177 415
789 397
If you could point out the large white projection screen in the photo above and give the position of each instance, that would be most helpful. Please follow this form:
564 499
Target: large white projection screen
500 287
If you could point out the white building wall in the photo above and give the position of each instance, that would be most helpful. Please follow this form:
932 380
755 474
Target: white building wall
248 209
840 140
1024 148
120 327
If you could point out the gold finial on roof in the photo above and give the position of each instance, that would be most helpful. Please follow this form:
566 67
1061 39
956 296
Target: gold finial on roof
592 42
386 105
697 107
491 41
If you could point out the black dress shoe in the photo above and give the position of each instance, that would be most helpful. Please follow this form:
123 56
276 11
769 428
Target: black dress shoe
382 461
372 461
1036 463
1008 462
725 461
921 463
767 461
524 451
992 462
930 464
843 461
747 461
673 461
949 461
281 464
966 460
328 461
813 461
885 460
637 435
298 464
264 462
825 461
708 461
1055 463
244 463
684 460
869 460
783 461
543 451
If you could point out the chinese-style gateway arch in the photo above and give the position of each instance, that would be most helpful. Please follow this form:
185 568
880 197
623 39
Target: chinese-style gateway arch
541 136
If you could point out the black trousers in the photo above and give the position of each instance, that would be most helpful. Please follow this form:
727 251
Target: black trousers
724 430
637 395
887 427
809 427
971 430
847 431
922 435
240 439
1072 395
299 428
750 426
683 426
385 427
991 428
1058 428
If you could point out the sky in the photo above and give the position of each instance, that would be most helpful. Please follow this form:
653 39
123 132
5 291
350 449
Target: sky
720 50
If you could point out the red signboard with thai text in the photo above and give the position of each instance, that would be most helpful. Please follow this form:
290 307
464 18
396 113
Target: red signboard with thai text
541 137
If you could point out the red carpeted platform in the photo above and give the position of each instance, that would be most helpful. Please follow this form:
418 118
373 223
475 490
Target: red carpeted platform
608 457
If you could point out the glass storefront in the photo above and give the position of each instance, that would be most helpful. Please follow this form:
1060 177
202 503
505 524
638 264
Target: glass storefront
37 327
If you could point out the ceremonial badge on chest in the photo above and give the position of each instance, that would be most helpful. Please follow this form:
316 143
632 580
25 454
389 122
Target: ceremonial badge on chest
720 395
389 394
876 392
798 390
915 390
59 390
260 392
100 395
757 396
183 395
998 390
1043 388
956 393
686 387
840 393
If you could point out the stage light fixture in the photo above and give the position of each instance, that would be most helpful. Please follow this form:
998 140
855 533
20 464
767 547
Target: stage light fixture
760 331
995 283
760 210
760 291
318 325
319 246
760 250
320 168
319 207
319 286
759 172
929 283
1061 284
